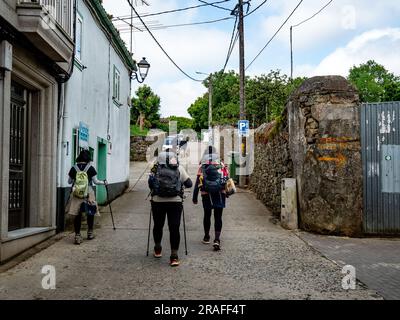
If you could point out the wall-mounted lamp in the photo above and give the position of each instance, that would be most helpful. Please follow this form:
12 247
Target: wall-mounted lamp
144 67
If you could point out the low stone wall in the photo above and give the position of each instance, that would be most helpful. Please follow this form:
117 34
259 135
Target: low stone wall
272 163
140 146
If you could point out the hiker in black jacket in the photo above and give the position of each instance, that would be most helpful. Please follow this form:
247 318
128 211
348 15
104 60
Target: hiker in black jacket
166 182
211 180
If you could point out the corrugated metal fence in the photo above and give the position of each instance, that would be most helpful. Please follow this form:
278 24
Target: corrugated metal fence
380 136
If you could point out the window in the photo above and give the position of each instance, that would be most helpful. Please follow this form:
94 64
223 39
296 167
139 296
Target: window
116 86
78 42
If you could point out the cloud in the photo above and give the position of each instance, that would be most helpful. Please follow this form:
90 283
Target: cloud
177 96
381 45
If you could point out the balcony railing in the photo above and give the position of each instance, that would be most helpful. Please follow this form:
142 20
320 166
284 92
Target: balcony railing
61 10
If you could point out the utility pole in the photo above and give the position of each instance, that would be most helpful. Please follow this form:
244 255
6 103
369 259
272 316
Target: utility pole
210 130
291 53
242 178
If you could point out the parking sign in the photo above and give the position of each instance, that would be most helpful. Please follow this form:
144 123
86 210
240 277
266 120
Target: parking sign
243 127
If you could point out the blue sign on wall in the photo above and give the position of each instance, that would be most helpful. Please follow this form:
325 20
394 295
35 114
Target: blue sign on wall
83 135
243 127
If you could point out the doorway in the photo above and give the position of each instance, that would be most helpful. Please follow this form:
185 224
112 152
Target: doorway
18 173
101 194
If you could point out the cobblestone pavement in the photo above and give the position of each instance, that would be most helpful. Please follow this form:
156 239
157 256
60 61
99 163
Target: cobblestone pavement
377 261
259 260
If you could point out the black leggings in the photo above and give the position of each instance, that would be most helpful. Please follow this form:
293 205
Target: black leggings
78 222
217 220
172 210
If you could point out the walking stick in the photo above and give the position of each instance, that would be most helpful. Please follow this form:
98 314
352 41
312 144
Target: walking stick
148 237
184 228
109 203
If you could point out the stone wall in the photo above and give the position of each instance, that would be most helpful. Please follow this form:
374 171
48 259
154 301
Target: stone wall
272 163
140 146
317 141
324 129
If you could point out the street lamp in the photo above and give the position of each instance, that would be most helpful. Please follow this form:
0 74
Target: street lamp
144 67
210 131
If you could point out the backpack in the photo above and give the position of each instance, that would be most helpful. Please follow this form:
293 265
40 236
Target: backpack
167 181
81 185
212 178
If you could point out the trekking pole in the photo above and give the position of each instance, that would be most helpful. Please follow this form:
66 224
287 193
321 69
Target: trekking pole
109 204
148 237
184 228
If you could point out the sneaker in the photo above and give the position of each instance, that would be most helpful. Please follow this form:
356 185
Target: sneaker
217 245
157 252
78 239
206 240
90 235
174 261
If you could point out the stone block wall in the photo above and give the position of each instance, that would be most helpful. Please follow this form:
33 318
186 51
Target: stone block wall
324 130
140 146
272 163
317 142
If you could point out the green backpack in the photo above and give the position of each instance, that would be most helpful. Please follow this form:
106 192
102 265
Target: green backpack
81 185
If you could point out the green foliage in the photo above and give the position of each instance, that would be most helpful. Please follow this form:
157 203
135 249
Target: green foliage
135 131
182 122
375 83
147 104
266 96
199 113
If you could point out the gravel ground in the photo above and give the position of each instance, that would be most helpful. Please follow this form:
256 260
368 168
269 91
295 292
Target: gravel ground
259 260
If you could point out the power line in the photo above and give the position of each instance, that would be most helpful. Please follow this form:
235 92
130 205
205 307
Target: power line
258 7
234 38
315 14
182 25
280 28
214 5
163 50
171 11
291 35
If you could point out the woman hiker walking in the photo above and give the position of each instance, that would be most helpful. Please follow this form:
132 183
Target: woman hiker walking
83 176
211 180
166 182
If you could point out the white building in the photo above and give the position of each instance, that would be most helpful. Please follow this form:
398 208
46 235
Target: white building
97 102
40 113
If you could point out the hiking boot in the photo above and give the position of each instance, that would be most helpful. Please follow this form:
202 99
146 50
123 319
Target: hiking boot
174 261
157 252
90 235
217 245
206 240
78 238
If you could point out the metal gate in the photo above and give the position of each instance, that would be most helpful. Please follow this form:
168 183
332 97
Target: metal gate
18 145
380 136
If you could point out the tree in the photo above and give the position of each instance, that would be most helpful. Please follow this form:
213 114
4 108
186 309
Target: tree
266 96
375 83
182 122
146 107
199 113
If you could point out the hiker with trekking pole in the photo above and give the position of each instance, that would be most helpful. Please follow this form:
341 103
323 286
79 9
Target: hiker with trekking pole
82 201
215 186
166 182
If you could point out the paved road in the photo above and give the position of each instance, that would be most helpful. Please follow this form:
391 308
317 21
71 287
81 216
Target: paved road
259 260
377 261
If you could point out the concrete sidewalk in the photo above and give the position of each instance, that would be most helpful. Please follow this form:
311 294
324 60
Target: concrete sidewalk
259 260
377 261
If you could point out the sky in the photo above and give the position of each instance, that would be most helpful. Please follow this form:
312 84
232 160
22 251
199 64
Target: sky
344 34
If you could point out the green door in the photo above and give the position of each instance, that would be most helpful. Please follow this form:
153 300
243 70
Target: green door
101 193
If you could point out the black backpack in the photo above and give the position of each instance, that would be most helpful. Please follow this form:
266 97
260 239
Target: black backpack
167 182
212 179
